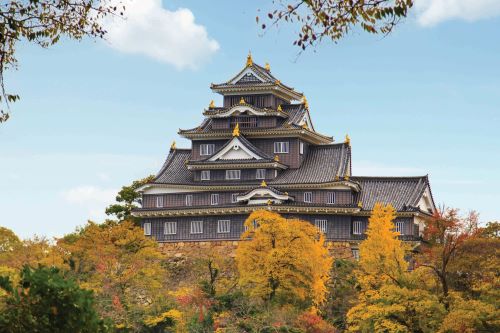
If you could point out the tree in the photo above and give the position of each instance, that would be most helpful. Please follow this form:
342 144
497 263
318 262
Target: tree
44 301
123 268
336 18
44 22
128 199
283 260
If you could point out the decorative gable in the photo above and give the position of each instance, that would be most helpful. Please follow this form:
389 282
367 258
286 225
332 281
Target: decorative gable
248 75
263 195
236 149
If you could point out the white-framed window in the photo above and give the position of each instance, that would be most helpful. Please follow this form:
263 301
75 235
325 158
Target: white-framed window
330 198
169 228
355 254
281 147
260 174
322 225
400 227
196 227
214 199
356 227
147 228
159 201
301 148
308 197
205 175
234 197
207 149
223 226
255 225
189 199
233 174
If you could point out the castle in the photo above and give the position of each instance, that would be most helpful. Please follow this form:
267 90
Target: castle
260 150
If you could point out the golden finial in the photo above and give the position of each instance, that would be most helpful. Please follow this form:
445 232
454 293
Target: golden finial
269 202
263 184
276 158
249 59
305 102
337 177
347 139
278 82
267 67
236 130
242 101
346 177
360 204
304 125
212 104
173 146
280 108
286 193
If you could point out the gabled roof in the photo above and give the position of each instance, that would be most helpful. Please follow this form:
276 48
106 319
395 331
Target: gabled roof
240 108
174 170
242 143
404 193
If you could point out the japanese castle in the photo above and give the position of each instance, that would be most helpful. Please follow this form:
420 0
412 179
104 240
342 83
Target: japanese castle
260 150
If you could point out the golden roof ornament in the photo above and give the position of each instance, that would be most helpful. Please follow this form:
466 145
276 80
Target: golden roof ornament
242 101
236 130
267 67
280 108
173 146
347 139
360 204
276 158
304 125
249 59
305 102
346 177
212 104
269 202
278 82
337 177
263 184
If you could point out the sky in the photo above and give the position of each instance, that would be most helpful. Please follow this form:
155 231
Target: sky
96 115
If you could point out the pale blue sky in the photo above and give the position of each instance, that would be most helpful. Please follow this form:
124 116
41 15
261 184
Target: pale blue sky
95 116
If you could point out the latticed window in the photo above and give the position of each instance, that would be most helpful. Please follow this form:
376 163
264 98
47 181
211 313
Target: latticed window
355 254
400 227
281 147
330 198
255 225
147 228
301 148
205 175
170 228
357 228
308 196
223 226
196 227
322 225
159 201
207 149
244 121
214 199
234 197
261 174
189 200
233 174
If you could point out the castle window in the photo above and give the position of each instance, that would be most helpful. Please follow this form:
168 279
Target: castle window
400 227
233 174
207 149
308 196
281 147
330 198
159 201
147 228
189 200
170 228
196 227
223 226
355 254
205 175
214 199
356 227
255 225
322 225
261 174
301 148
234 197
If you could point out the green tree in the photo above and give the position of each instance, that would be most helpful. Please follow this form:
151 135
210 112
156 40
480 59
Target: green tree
44 22
44 301
128 199
334 19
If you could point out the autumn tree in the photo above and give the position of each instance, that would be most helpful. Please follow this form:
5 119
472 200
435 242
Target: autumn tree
124 268
128 198
284 260
333 19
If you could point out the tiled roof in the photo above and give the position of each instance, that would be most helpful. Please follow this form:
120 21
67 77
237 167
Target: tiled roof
322 164
403 193
247 144
174 170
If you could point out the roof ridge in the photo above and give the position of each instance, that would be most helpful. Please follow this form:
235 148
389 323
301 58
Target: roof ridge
391 177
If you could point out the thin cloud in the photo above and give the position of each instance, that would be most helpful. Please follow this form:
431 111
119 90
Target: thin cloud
432 12
92 198
169 36
368 168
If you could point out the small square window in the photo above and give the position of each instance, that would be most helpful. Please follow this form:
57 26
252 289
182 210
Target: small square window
147 228
356 228
205 175
207 149
308 196
214 199
223 226
196 227
159 201
234 197
255 225
261 174
281 147
330 198
170 228
189 200
400 227
233 174
322 225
